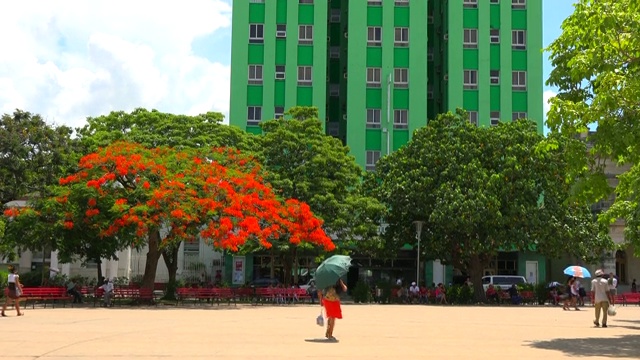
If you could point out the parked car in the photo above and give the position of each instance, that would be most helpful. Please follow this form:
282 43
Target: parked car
264 282
504 281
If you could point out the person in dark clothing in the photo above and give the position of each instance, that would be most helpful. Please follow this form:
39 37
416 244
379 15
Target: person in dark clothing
71 290
516 299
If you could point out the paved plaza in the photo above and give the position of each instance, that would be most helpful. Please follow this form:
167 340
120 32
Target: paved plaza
289 332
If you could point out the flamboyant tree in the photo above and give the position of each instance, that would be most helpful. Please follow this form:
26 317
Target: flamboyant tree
157 197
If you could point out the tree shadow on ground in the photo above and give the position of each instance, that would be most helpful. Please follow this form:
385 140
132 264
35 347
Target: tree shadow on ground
625 346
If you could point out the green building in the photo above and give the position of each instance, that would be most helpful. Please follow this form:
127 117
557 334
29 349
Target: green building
378 69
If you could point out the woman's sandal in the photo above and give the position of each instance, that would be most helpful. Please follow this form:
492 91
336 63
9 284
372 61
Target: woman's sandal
21 314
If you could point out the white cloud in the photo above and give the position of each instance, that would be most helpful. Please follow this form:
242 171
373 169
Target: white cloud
67 60
547 95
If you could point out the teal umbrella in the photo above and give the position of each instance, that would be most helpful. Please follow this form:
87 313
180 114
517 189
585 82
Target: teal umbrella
332 269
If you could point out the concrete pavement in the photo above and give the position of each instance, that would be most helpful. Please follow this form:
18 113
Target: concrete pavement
289 332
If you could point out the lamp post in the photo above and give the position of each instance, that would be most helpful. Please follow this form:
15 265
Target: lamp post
418 225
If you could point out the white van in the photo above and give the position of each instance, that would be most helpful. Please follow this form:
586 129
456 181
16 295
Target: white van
504 281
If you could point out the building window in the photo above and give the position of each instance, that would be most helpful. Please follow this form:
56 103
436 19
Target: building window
470 3
334 90
305 34
374 36
494 36
256 33
401 37
495 77
430 19
495 1
518 4
402 2
372 158
430 54
470 39
254 115
400 119
373 118
373 77
473 117
281 31
495 118
279 72
401 78
471 79
519 39
334 52
278 112
430 92
335 15
374 2
304 75
255 74
333 129
519 80
518 115
306 1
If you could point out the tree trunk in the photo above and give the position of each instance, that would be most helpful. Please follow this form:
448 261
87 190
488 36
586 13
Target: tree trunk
475 269
153 255
272 271
296 268
100 279
170 256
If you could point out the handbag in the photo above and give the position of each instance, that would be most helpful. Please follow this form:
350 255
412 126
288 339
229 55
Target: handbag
18 290
320 319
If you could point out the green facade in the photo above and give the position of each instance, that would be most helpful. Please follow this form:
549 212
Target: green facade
396 63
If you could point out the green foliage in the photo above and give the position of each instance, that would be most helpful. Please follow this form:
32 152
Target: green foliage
541 292
31 278
4 278
154 129
303 163
33 155
597 71
483 190
460 295
361 293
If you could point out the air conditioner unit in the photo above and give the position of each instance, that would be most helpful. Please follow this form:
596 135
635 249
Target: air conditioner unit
446 37
281 34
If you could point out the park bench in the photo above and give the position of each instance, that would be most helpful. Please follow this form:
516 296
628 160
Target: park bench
632 298
45 294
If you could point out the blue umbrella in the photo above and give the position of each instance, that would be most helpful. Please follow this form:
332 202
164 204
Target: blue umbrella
577 271
332 269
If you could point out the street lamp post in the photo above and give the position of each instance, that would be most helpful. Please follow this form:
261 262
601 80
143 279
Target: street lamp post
418 225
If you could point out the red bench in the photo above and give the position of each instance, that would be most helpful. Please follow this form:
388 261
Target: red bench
632 298
209 294
45 294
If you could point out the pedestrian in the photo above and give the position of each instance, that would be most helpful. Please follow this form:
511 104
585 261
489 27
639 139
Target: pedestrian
602 297
613 287
634 287
330 300
14 288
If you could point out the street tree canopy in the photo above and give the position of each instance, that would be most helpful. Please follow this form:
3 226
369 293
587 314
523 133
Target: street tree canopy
480 191
135 194
33 155
596 64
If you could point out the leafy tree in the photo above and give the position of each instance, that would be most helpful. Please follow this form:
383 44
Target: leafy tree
33 155
136 194
479 191
152 129
303 163
596 63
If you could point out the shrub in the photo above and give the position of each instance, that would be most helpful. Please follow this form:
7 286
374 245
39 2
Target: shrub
542 293
4 278
31 278
362 292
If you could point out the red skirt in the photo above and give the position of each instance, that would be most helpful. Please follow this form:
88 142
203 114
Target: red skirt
332 308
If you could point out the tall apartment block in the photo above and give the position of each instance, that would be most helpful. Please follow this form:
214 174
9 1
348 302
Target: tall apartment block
379 69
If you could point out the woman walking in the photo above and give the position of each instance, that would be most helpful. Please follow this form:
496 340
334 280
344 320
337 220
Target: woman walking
331 302
14 291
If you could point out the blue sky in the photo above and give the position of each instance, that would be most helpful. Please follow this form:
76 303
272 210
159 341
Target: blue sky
71 59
